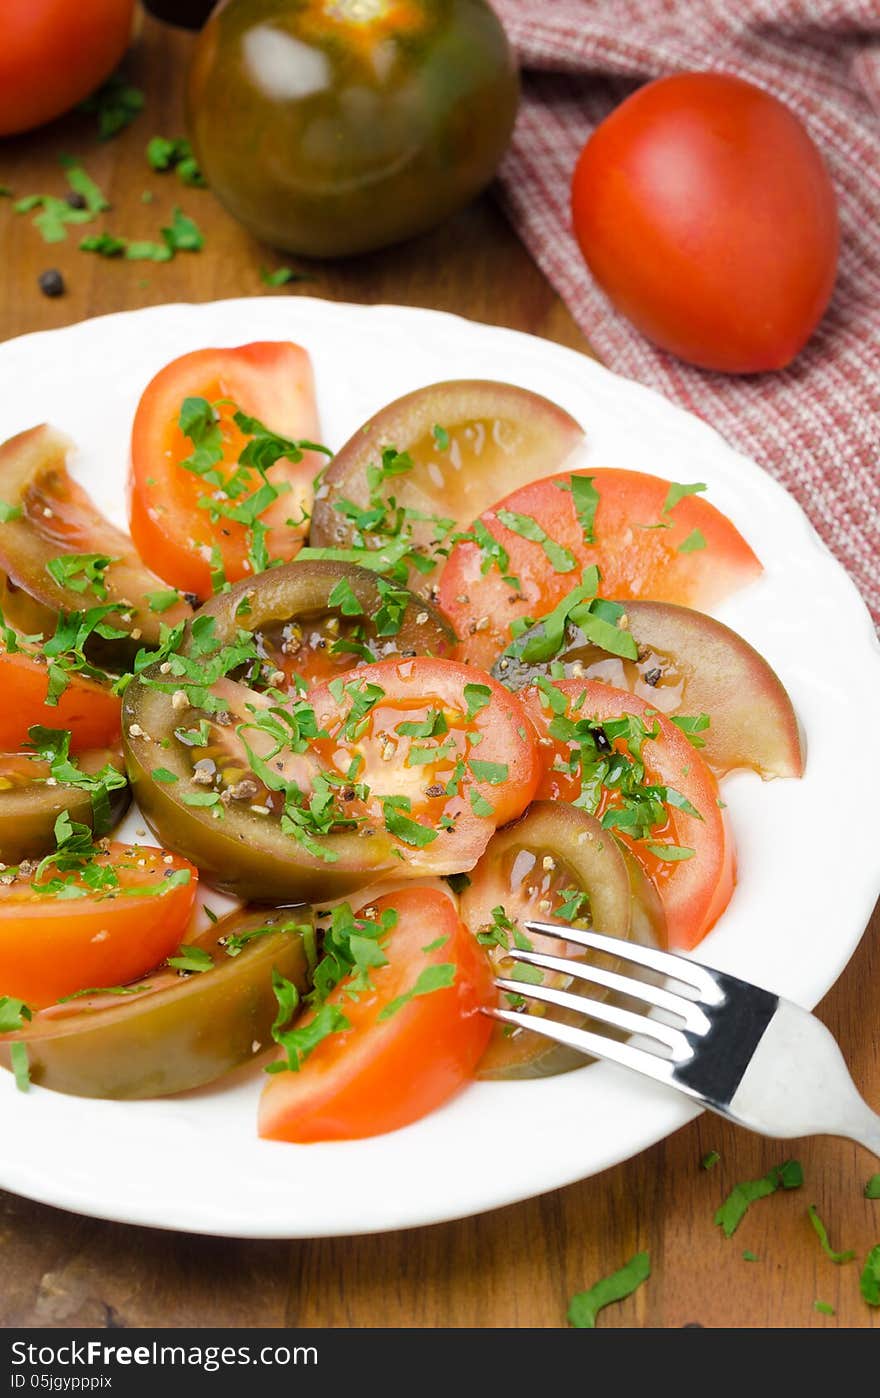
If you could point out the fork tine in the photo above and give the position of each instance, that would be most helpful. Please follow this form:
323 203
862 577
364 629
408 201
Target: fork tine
600 1010
667 963
688 1010
592 1045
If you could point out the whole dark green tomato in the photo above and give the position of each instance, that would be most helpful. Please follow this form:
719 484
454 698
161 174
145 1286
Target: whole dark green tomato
330 127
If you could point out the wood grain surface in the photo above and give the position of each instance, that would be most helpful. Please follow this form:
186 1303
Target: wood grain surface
520 1265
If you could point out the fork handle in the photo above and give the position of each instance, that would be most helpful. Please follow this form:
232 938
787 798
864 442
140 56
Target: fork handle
798 1084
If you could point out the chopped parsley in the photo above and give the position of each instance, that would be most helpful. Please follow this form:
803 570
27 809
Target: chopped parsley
183 233
870 1278
20 1064
162 600
872 1187
190 960
402 826
692 725
586 500
175 154
81 572
429 980
116 104
561 559
282 276
14 1014
789 1175
822 1235
9 512
823 1308
601 621
710 1160
55 214
695 540
476 698
343 597
678 492
586 1305
441 437
52 745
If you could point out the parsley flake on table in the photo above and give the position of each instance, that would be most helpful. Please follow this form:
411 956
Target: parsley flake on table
282 276
176 154
822 1235
116 104
870 1278
710 1160
872 1187
183 233
823 1308
585 1306
730 1215
55 214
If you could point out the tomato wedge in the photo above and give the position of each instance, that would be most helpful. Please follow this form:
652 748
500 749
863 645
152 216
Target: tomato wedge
99 919
443 754
269 381
645 781
405 1047
88 711
531 548
59 553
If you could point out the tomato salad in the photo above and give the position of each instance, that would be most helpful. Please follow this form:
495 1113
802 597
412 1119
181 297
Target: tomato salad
394 702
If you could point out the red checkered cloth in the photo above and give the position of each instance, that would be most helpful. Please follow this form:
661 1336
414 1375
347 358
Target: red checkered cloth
816 425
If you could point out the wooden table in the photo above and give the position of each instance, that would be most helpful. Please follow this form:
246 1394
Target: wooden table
518 1266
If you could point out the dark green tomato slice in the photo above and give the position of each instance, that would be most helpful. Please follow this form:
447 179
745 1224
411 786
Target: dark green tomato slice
688 664
203 800
356 124
59 528
173 1030
297 630
30 803
532 869
440 455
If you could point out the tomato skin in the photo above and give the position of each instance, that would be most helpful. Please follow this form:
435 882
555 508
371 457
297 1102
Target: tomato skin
633 562
90 713
268 380
378 1076
706 213
55 53
50 947
695 891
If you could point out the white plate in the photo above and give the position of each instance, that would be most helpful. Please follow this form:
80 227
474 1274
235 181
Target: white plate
807 850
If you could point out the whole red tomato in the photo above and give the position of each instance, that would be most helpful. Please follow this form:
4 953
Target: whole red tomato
706 213
53 53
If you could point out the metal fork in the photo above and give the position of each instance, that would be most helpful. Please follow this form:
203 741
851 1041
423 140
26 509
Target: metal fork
746 1053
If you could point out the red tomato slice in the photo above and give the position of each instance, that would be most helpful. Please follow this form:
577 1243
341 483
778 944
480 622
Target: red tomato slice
381 1074
89 712
694 890
52 946
451 743
269 381
696 557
